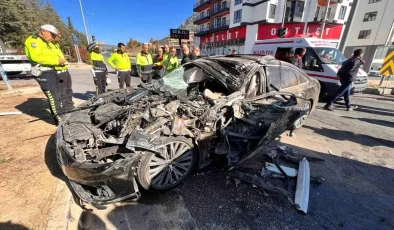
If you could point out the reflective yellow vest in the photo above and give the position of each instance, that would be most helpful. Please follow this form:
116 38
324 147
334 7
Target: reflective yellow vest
97 61
38 51
61 55
143 59
122 61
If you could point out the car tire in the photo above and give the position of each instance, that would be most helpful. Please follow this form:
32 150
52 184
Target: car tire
301 121
323 92
178 166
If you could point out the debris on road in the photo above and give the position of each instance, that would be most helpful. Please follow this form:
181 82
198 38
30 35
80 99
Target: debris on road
278 178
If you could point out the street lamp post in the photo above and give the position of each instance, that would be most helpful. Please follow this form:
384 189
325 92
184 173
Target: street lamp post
84 23
323 24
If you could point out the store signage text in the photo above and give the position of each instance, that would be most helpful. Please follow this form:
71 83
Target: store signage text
270 31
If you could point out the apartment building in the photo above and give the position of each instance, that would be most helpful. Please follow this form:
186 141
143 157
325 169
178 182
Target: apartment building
371 29
225 25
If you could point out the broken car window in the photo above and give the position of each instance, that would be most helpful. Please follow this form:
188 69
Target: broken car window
288 78
273 77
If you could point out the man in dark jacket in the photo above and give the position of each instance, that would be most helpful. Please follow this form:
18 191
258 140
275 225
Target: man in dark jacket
187 55
347 74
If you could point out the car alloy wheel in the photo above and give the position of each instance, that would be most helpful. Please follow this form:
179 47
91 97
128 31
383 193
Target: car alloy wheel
171 167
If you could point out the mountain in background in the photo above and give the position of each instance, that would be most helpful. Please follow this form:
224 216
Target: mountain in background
188 23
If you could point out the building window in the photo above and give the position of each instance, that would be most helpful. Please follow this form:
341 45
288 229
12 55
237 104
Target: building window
236 2
374 1
237 16
272 11
371 16
328 13
364 34
299 9
317 12
342 13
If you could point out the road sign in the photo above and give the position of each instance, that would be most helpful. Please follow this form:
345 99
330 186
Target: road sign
75 39
387 68
179 34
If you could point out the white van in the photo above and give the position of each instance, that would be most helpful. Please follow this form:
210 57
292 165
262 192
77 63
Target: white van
321 61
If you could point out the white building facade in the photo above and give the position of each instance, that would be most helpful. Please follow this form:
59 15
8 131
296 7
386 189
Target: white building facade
371 29
247 21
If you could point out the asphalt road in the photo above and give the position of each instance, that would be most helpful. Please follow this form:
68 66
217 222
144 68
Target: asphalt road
352 189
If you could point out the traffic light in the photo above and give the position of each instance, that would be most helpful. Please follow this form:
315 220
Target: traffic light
93 38
282 32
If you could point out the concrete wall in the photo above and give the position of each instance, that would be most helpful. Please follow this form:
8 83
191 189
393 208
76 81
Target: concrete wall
380 28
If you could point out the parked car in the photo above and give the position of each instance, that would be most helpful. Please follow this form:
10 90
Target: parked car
155 135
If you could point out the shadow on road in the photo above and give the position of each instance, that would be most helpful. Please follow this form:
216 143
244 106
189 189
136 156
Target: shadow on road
37 107
374 121
349 194
11 226
350 136
85 96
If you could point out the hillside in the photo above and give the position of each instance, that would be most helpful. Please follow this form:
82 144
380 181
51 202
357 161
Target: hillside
188 23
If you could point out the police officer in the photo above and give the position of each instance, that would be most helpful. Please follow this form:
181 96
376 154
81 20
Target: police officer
65 82
44 58
171 63
120 61
144 64
99 67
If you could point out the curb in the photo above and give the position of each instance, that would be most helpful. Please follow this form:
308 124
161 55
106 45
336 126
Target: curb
23 91
379 91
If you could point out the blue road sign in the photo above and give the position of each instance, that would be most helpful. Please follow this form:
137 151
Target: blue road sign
75 39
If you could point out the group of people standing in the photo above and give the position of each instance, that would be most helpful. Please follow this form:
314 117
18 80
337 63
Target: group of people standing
163 63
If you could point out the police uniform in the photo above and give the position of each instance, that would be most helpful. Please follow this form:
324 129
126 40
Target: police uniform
99 69
170 64
65 83
122 62
43 53
144 64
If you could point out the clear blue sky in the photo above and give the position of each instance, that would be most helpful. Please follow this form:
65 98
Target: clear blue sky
113 21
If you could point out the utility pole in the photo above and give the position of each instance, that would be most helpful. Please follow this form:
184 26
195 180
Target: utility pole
84 23
323 24
306 17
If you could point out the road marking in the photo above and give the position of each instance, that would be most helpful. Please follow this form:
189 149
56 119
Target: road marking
125 217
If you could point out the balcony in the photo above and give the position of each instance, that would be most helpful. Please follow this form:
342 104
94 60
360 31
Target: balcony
223 25
202 18
221 7
200 5
202 31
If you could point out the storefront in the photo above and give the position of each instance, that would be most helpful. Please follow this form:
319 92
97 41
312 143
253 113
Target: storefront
223 42
242 38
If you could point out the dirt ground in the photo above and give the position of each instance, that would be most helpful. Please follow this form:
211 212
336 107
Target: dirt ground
26 185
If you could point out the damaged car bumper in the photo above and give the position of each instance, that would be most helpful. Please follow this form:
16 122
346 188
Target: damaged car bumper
98 183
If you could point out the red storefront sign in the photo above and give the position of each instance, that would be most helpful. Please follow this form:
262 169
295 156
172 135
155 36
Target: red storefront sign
231 34
270 31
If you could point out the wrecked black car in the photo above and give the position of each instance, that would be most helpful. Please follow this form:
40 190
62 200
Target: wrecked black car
155 135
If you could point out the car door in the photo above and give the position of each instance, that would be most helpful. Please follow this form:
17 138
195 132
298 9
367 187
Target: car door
268 117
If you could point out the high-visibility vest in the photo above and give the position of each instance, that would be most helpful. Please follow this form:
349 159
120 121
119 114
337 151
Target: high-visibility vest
122 61
38 51
143 59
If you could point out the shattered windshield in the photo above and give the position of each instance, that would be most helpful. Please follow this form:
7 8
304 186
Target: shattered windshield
330 55
176 82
